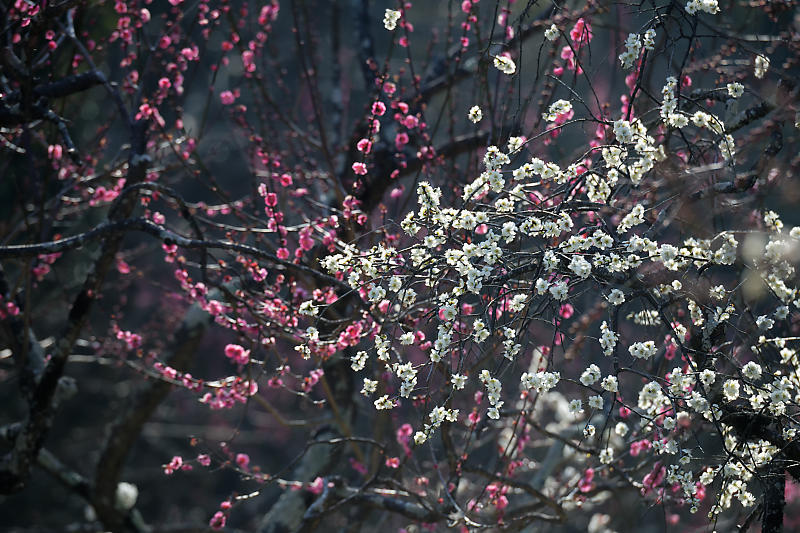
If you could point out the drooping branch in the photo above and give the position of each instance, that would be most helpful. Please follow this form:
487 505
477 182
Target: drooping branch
120 227
125 430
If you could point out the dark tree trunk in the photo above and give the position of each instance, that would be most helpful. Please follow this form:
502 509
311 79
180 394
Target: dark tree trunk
774 500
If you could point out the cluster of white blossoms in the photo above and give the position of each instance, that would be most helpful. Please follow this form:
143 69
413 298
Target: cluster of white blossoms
621 161
358 360
649 40
453 259
634 44
540 381
708 6
390 18
559 107
669 105
675 118
505 64
691 388
484 272
437 417
608 339
634 218
590 375
580 266
599 186
746 458
493 389
633 47
407 375
761 66
643 350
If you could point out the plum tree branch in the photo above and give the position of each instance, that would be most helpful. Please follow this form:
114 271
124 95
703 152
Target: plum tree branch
119 227
15 465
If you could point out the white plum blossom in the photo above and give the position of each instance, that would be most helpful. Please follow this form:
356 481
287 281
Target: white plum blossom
610 383
634 218
475 114
731 389
559 290
596 402
590 375
504 64
616 297
540 381
370 386
358 360
623 131
517 303
735 89
764 322
442 414
383 403
607 456
308 308
643 350
376 293
559 107
649 39
751 371
480 331
395 284
608 339
727 147
707 6
633 46
761 66
580 266
459 381
126 495
515 144
717 292
390 18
